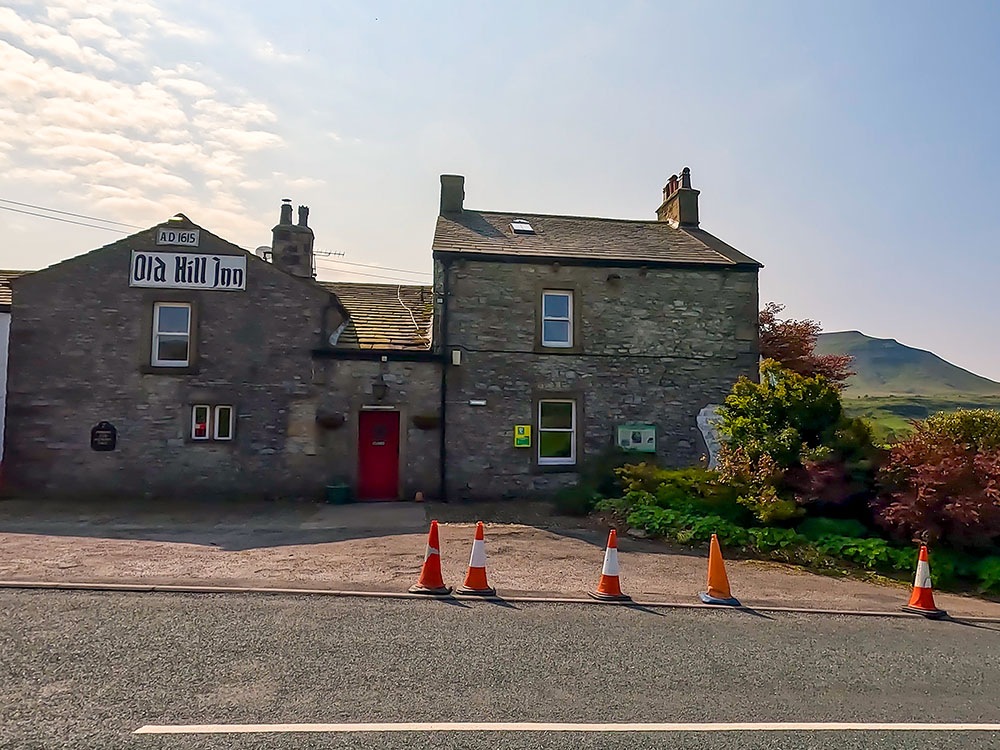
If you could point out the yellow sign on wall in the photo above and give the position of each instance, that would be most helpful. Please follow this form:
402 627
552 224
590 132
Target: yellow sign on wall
522 436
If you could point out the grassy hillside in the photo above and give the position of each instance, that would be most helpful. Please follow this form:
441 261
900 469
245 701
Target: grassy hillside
887 368
890 415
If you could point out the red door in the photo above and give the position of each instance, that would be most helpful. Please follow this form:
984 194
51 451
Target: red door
378 455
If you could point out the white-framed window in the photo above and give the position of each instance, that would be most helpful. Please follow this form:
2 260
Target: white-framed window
213 422
171 334
557 431
224 416
557 318
200 417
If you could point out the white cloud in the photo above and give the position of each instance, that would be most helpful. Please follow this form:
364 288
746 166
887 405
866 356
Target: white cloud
297 182
91 110
268 52
39 36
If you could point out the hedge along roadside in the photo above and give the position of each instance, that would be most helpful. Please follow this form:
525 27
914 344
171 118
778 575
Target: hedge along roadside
828 552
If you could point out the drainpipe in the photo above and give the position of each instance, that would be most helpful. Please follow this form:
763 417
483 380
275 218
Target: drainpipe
442 449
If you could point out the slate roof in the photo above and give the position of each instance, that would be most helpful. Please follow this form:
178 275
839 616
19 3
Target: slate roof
485 233
5 290
385 316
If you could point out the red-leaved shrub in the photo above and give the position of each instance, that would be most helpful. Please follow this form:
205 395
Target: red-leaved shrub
940 488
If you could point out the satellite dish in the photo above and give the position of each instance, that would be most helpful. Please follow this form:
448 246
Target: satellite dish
263 251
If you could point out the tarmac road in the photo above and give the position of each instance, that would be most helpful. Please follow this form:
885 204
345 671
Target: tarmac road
86 669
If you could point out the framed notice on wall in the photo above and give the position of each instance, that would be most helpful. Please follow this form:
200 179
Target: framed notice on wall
637 437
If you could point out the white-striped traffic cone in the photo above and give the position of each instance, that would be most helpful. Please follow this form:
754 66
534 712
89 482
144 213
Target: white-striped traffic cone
475 580
610 589
922 598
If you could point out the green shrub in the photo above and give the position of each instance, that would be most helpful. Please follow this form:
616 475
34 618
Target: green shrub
977 428
769 508
575 501
771 538
988 573
814 528
600 472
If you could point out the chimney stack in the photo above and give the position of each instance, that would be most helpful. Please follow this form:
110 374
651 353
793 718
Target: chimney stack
680 201
292 244
452 193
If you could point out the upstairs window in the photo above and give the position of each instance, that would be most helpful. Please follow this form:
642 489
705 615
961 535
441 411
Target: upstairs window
557 432
557 319
171 334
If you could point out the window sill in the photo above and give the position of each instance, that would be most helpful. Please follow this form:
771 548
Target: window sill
154 370
555 468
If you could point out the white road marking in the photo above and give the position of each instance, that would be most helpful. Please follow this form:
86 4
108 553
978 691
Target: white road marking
524 726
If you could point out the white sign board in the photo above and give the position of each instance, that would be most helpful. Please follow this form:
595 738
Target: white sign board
171 236
188 271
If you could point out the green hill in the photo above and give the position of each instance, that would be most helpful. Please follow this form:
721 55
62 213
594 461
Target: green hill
895 384
887 368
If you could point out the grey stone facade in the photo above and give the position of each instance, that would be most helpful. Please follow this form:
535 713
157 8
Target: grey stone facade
79 355
655 346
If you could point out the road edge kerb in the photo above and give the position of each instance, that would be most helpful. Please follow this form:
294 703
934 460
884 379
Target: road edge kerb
145 588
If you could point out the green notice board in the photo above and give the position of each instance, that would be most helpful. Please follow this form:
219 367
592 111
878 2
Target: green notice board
637 437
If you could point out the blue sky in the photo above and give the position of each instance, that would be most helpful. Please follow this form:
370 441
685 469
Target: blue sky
850 146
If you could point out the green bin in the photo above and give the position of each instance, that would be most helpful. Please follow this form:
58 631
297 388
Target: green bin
338 494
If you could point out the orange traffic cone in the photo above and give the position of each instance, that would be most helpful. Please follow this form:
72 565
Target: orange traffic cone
718 582
609 589
922 599
430 581
475 580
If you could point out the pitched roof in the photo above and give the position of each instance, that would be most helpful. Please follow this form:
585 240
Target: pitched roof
385 316
583 238
6 296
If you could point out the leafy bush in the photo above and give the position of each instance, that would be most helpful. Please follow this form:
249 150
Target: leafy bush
814 528
575 501
600 472
788 446
782 415
771 538
988 573
977 428
694 489
942 483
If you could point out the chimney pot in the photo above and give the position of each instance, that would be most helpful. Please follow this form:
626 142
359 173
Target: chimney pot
680 201
286 211
452 193
303 216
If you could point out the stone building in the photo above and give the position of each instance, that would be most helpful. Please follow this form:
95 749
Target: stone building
588 333
173 363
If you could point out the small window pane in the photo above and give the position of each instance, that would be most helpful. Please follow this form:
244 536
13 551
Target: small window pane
555 332
223 422
199 423
173 319
555 444
556 306
172 349
557 415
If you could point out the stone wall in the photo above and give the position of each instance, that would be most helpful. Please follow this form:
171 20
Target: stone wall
79 355
413 391
654 346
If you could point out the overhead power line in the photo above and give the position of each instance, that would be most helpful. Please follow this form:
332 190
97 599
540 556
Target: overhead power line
411 282
382 268
68 213
67 221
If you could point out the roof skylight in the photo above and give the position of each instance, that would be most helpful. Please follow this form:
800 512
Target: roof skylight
521 226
